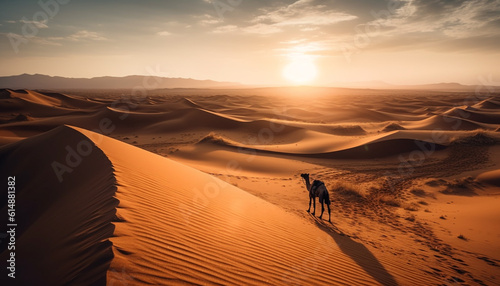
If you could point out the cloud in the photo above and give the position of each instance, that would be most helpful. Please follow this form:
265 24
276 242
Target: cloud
303 13
49 41
38 24
207 20
306 47
435 9
164 33
210 22
262 29
453 19
225 29
431 25
327 26
468 19
253 29
85 35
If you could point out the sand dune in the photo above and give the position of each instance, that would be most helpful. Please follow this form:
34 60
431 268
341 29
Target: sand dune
172 224
51 99
205 115
392 127
331 146
475 115
491 177
413 178
35 108
210 231
488 104
443 122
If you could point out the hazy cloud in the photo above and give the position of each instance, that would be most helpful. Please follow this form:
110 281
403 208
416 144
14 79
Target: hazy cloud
303 12
207 19
164 33
86 36
49 41
302 15
38 24
414 24
225 29
454 18
262 29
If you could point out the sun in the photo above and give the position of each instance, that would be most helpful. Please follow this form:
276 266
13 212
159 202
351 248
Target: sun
300 70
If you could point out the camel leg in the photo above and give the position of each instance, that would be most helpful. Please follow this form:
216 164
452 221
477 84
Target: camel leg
329 213
322 210
309 209
314 204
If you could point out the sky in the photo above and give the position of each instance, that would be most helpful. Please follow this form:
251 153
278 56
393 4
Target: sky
263 42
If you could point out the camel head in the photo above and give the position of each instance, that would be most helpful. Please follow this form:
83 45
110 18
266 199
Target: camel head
305 176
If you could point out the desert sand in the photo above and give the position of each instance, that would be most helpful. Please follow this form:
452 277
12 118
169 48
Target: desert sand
203 187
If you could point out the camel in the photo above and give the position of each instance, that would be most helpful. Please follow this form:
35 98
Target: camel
317 189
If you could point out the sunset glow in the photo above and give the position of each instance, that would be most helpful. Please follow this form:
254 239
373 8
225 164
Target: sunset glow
300 70
397 42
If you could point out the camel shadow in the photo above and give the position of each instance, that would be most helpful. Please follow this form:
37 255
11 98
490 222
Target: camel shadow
359 253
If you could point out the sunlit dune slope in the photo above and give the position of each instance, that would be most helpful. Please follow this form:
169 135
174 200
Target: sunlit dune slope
314 144
178 225
49 99
155 221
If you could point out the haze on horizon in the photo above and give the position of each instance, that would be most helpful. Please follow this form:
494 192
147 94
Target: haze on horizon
255 42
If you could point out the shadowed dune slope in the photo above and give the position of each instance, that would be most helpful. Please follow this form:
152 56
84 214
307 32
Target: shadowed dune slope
62 226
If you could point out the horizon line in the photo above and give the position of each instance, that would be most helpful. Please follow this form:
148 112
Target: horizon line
369 84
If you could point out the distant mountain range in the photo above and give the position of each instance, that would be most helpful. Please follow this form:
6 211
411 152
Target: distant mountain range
39 81
444 86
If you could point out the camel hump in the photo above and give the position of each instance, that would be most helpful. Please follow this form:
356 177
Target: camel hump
316 184
315 187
